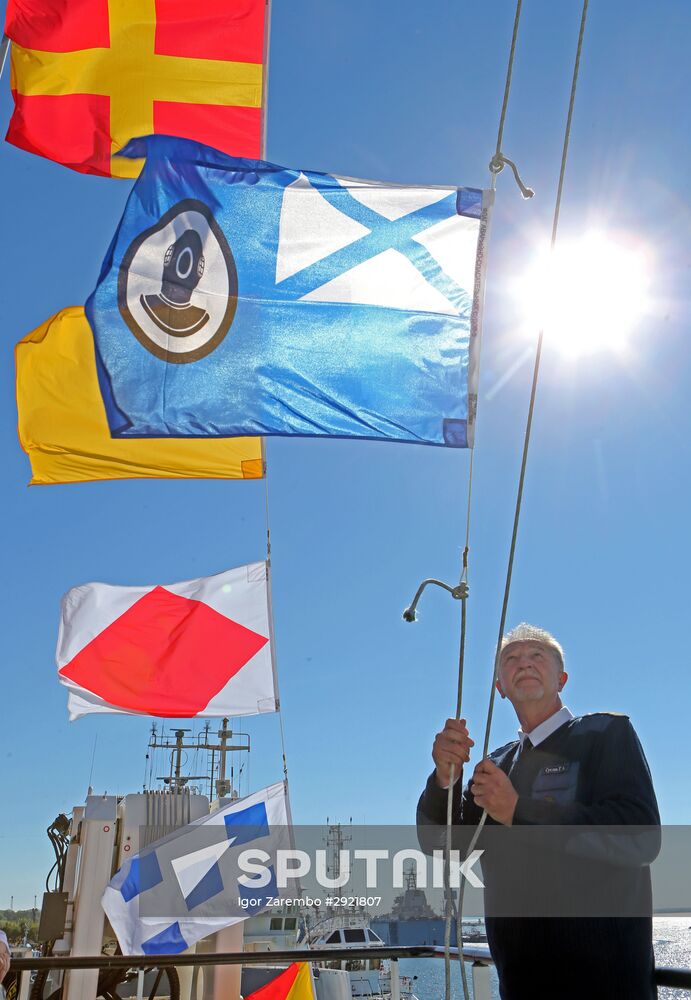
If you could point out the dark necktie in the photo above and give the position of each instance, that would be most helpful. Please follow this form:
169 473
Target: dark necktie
522 750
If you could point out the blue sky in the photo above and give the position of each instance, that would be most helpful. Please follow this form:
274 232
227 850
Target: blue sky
410 94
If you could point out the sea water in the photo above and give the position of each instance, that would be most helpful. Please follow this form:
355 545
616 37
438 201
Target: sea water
671 940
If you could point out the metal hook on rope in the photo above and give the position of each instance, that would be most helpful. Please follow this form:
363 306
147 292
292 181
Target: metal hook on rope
497 164
459 593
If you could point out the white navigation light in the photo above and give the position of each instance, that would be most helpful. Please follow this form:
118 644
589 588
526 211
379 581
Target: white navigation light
589 294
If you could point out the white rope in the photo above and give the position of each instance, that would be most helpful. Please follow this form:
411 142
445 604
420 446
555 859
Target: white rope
526 443
496 166
271 624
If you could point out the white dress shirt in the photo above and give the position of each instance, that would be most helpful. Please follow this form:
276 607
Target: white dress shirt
547 727
540 732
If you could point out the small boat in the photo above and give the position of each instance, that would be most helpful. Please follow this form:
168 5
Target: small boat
367 977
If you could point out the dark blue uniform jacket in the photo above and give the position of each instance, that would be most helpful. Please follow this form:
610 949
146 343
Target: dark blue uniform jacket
568 905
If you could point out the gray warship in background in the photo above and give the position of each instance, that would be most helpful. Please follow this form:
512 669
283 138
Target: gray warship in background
412 921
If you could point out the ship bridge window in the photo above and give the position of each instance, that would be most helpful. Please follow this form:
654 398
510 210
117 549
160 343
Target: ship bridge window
374 937
290 923
334 938
354 934
276 924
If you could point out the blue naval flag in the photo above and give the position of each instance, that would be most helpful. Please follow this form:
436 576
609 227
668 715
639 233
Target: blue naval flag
193 882
242 298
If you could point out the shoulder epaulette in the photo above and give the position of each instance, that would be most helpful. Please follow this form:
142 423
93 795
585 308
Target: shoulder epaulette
621 715
598 721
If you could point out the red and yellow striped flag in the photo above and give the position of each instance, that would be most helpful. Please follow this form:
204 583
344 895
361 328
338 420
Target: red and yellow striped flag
293 984
89 75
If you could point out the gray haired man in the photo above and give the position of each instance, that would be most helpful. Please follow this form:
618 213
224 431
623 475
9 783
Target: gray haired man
562 772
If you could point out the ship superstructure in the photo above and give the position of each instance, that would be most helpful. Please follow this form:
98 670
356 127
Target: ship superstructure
106 831
412 921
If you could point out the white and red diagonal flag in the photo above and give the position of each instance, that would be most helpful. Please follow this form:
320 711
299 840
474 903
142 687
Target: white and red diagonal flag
201 647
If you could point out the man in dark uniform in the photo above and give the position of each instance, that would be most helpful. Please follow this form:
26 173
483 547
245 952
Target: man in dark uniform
561 776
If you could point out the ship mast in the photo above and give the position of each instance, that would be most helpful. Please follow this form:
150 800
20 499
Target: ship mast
335 841
176 780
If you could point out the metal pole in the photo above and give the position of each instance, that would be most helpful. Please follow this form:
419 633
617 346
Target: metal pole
482 987
4 49
23 986
23 978
179 736
101 961
395 980
140 985
265 90
221 784
95 870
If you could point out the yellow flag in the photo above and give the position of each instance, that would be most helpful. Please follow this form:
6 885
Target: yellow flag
64 431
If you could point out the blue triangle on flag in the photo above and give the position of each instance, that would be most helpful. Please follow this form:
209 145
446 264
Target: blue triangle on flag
248 824
257 899
168 942
207 887
144 873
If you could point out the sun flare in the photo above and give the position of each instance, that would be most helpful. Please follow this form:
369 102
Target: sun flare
588 295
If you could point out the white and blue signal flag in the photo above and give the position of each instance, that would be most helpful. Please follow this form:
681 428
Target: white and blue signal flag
193 882
242 298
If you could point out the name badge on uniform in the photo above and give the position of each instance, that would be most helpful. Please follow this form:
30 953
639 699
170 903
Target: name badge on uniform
557 782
